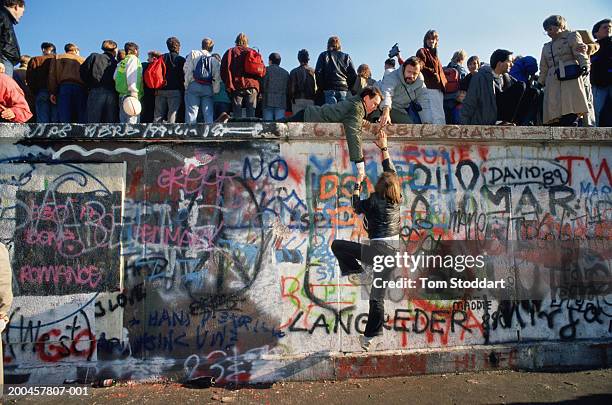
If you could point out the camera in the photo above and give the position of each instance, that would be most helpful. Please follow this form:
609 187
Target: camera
394 51
415 106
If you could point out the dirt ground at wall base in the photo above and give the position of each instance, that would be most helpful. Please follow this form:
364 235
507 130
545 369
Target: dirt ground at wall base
499 387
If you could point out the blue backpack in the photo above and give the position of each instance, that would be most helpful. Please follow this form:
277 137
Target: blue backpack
203 70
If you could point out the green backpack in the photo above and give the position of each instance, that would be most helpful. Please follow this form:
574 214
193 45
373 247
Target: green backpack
121 84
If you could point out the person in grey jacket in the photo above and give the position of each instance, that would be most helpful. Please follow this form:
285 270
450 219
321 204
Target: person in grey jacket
493 96
404 95
275 88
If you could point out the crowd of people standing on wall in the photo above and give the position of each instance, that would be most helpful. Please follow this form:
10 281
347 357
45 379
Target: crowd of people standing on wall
571 85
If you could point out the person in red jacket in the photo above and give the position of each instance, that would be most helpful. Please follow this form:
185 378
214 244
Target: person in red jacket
433 72
13 105
241 87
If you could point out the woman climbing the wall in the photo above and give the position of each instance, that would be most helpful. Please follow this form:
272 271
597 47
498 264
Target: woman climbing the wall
382 222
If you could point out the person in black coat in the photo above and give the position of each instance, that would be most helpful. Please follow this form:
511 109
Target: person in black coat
382 222
11 12
335 72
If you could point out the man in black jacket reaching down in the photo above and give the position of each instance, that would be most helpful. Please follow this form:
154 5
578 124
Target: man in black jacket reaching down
97 73
335 72
10 14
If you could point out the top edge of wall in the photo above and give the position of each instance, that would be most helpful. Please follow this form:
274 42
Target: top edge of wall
295 131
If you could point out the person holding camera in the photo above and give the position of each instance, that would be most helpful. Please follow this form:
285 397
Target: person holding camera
564 67
405 95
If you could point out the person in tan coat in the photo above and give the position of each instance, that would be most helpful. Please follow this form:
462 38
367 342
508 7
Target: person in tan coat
6 300
564 101
66 87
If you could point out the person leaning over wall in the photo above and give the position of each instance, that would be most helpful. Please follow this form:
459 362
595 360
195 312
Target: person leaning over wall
6 300
351 113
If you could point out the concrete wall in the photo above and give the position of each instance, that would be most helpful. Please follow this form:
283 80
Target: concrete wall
174 251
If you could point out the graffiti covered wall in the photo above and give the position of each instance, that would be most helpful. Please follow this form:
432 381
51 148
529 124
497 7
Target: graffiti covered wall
168 250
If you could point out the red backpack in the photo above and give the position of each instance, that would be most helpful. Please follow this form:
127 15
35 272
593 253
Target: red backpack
155 75
452 80
254 64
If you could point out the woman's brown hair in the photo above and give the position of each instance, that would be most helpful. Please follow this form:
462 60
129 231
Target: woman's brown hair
388 187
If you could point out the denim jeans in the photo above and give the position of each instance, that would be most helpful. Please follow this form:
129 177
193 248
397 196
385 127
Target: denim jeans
123 117
199 96
46 111
102 106
600 96
249 96
72 103
273 113
8 67
334 96
167 104
349 255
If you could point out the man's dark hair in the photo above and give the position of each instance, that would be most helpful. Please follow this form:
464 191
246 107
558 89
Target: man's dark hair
11 3
303 56
390 62
70 47
130 48
413 61
275 58
599 24
109 45
370 91
153 54
500 55
173 44
47 45
474 59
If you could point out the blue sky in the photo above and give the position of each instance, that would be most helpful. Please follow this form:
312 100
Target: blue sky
367 28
